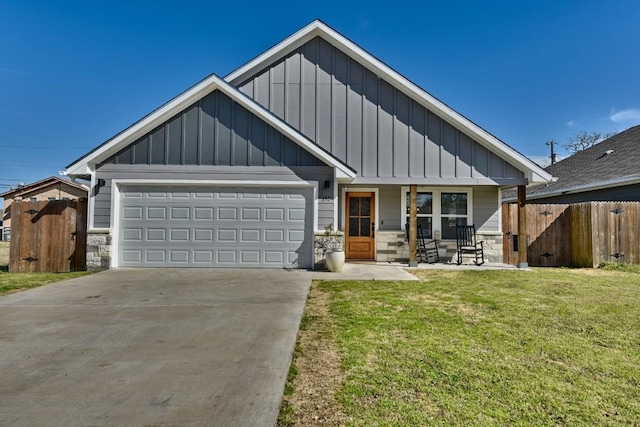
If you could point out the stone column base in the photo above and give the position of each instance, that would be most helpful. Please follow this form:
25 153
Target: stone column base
98 250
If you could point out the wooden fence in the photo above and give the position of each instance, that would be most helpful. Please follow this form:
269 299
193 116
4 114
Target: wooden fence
48 236
579 235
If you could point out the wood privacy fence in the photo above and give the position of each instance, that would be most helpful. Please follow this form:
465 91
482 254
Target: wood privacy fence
48 236
580 235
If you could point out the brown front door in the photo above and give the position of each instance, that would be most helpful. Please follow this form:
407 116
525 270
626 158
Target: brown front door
360 225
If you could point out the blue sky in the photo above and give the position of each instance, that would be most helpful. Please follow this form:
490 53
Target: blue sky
75 73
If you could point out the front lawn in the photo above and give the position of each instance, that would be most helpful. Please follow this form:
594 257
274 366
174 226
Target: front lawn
543 347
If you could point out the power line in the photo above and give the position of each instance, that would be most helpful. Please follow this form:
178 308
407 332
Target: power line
43 147
29 166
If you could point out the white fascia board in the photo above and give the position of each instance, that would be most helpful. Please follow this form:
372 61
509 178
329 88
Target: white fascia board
144 126
533 172
286 46
186 99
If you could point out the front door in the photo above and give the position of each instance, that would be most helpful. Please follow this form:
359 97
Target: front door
360 225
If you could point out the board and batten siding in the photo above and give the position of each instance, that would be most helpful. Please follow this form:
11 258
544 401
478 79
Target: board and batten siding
215 131
366 122
234 175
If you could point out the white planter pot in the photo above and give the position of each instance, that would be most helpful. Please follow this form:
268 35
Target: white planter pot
335 261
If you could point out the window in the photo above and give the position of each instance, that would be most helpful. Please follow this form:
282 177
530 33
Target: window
440 210
453 208
424 204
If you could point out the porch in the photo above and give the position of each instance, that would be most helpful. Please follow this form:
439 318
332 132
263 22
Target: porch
392 246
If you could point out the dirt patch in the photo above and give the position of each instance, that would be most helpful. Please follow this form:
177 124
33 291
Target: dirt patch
319 369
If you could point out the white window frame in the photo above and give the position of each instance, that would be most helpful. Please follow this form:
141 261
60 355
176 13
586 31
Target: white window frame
436 214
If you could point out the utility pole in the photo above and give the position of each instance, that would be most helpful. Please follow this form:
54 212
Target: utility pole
553 153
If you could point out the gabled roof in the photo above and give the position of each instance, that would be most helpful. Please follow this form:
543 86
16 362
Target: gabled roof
84 165
532 171
39 185
611 163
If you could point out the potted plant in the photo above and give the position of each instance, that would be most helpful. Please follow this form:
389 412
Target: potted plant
333 246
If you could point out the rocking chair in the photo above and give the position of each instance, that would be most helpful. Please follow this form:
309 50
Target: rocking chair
426 250
467 244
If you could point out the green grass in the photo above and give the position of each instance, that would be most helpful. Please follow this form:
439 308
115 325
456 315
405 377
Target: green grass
10 282
13 282
545 347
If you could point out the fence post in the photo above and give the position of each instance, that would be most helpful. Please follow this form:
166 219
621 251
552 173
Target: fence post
522 227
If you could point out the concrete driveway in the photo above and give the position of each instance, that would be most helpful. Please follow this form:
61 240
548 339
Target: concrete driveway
158 347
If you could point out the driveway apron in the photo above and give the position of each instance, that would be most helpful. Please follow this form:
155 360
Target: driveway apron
150 347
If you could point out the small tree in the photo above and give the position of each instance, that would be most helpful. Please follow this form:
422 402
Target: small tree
582 140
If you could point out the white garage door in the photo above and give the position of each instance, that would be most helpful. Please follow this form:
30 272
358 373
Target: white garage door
174 226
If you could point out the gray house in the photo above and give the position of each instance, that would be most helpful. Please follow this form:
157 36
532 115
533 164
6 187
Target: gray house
248 169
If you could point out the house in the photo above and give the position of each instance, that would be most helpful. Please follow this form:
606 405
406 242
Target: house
607 171
52 188
249 169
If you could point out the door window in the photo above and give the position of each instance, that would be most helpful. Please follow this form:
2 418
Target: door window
359 216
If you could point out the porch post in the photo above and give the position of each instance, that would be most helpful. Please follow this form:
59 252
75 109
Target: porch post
413 225
522 227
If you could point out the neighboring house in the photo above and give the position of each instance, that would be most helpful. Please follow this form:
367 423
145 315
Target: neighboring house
607 171
246 170
52 188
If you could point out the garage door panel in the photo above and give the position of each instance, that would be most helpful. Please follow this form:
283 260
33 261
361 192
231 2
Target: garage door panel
156 212
157 256
180 213
228 214
180 235
296 214
203 213
250 214
132 255
274 235
209 227
203 235
132 234
274 214
180 256
156 234
133 212
203 257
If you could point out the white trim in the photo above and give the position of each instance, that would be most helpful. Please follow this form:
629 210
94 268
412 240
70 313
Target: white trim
533 172
84 165
335 199
436 207
91 204
117 184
